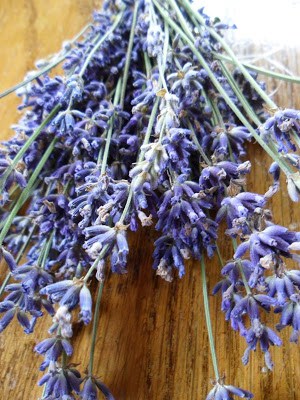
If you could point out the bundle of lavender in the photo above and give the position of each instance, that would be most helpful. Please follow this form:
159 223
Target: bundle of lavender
147 125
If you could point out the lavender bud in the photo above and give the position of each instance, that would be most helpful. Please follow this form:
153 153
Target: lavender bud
293 186
85 303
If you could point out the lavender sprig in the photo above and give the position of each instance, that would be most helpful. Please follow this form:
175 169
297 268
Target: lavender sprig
146 126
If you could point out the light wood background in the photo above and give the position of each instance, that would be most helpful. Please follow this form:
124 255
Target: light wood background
152 341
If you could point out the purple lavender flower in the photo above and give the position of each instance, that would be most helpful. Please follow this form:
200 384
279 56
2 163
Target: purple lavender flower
114 239
243 205
290 316
69 294
85 303
52 349
188 79
223 142
155 40
32 277
60 383
226 392
280 126
92 387
7 180
8 257
259 333
273 239
232 270
145 92
62 323
173 142
56 291
10 309
293 186
169 253
74 89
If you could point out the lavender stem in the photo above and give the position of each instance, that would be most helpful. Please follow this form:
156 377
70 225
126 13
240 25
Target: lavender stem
263 71
208 321
95 326
111 127
128 54
46 69
28 143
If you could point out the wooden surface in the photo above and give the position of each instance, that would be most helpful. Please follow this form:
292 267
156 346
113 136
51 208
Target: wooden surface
152 341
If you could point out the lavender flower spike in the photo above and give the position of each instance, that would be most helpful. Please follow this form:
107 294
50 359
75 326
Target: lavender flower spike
226 392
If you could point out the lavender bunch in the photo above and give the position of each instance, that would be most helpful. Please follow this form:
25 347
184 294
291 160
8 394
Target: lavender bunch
147 125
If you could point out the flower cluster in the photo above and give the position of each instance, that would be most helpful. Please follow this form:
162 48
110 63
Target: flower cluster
146 126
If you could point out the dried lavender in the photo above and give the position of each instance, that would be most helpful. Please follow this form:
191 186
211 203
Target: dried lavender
147 125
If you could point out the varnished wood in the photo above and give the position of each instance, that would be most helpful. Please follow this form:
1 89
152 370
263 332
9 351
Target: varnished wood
152 341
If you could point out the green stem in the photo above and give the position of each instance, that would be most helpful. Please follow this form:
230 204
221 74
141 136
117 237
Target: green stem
283 165
197 143
4 283
263 71
28 143
214 118
220 258
47 250
26 191
100 156
41 253
147 64
127 206
149 127
43 71
101 41
162 59
44 392
128 54
240 95
95 326
208 321
111 127
25 244
33 77
64 359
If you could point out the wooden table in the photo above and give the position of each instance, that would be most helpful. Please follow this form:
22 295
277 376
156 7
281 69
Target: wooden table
152 341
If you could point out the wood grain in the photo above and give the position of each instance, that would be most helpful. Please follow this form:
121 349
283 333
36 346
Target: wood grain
152 341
